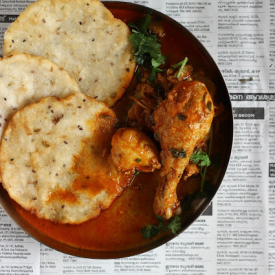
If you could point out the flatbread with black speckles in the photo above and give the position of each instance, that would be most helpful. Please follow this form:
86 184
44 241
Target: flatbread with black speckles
81 36
25 79
54 159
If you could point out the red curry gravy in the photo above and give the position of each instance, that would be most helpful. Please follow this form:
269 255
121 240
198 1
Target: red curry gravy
119 227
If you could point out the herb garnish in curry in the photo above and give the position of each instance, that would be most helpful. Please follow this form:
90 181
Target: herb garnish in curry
148 56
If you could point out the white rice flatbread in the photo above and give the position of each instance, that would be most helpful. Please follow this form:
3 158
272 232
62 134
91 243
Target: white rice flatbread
81 36
25 79
54 159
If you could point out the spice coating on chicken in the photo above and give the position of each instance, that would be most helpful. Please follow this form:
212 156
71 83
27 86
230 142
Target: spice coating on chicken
133 150
181 123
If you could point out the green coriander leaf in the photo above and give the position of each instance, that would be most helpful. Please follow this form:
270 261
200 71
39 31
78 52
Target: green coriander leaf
135 31
136 172
150 45
157 62
205 162
136 39
178 153
149 231
153 75
161 223
138 160
143 23
200 158
145 44
178 64
134 26
182 66
174 225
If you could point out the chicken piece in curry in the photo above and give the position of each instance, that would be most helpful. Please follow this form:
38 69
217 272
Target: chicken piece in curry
182 122
178 112
133 150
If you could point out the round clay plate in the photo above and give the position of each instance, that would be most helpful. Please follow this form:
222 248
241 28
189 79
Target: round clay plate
116 232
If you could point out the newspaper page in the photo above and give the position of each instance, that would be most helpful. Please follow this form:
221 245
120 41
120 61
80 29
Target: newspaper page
236 235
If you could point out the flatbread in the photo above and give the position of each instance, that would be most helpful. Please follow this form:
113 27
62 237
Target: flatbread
25 79
81 36
54 159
